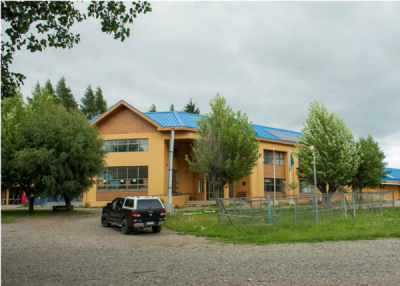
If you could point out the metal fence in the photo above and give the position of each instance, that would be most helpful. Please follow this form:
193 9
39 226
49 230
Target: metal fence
301 208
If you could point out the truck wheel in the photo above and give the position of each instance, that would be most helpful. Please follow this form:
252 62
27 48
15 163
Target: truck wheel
156 229
125 227
104 221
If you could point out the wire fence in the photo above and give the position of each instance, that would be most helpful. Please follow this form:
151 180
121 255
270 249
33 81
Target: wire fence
301 208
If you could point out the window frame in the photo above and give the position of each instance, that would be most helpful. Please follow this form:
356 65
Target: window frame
126 145
111 181
280 186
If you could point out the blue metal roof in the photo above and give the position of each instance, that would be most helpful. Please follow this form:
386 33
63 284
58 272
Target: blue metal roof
183 119
394 175
173 118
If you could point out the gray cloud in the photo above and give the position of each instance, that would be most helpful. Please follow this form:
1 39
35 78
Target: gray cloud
269 59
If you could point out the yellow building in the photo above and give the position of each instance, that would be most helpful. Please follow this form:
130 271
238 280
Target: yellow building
137 162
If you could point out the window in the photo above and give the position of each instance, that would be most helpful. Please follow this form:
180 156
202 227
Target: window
279 159
133 145
174 181
129 203
145 204
176 152
201 186
269 158
269 185
123 179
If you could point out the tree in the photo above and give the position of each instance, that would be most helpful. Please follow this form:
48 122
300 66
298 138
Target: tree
336 153
37 91
371 169
153 108
191 108
62 153
88 106
15 115
65 96
100 103
171 108
12 114
53 20
226 149
49 87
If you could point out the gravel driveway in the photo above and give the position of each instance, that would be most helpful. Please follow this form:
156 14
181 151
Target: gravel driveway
77 250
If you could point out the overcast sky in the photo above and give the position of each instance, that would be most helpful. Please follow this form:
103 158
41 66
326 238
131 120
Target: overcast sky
268 59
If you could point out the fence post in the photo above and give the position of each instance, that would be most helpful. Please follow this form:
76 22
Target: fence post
219 211
269 209
296 203
235 210
251 213
354 206
380 200
280 208
393 201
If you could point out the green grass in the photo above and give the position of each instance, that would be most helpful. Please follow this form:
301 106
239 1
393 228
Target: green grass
363 227
8 216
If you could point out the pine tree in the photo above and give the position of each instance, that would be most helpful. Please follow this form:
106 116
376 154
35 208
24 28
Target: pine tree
191 108
172 108
49 87
153 108
65 95
37 91
88 106
100 103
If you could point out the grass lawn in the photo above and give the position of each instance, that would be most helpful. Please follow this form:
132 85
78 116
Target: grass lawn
363 227
8 216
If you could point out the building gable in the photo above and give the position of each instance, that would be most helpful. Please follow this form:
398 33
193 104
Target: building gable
123 120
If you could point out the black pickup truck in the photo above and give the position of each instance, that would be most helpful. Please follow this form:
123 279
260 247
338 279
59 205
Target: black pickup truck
134 212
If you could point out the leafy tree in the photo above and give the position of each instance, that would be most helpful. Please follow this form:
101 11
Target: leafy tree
226 149
65 96
53 20
371 169
171 108
88 106
100 103
153 108
191 108
15 115
336 152
62 153
12 114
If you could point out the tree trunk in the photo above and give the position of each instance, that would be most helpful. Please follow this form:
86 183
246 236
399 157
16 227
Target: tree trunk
31 204
29 195
359 199
68 203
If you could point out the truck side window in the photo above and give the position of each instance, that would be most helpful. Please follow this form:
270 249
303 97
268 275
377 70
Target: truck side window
129 203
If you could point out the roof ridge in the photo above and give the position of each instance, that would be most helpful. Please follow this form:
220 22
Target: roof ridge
178 117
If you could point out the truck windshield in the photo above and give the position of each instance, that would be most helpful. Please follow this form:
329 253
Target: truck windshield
145 204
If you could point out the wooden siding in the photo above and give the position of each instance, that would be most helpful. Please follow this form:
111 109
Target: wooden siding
269 171
124 121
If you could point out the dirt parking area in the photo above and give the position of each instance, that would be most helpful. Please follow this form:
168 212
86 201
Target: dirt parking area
77 250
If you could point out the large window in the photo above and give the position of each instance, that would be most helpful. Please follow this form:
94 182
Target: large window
269 185
123 179
132 145
269 158
201 186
